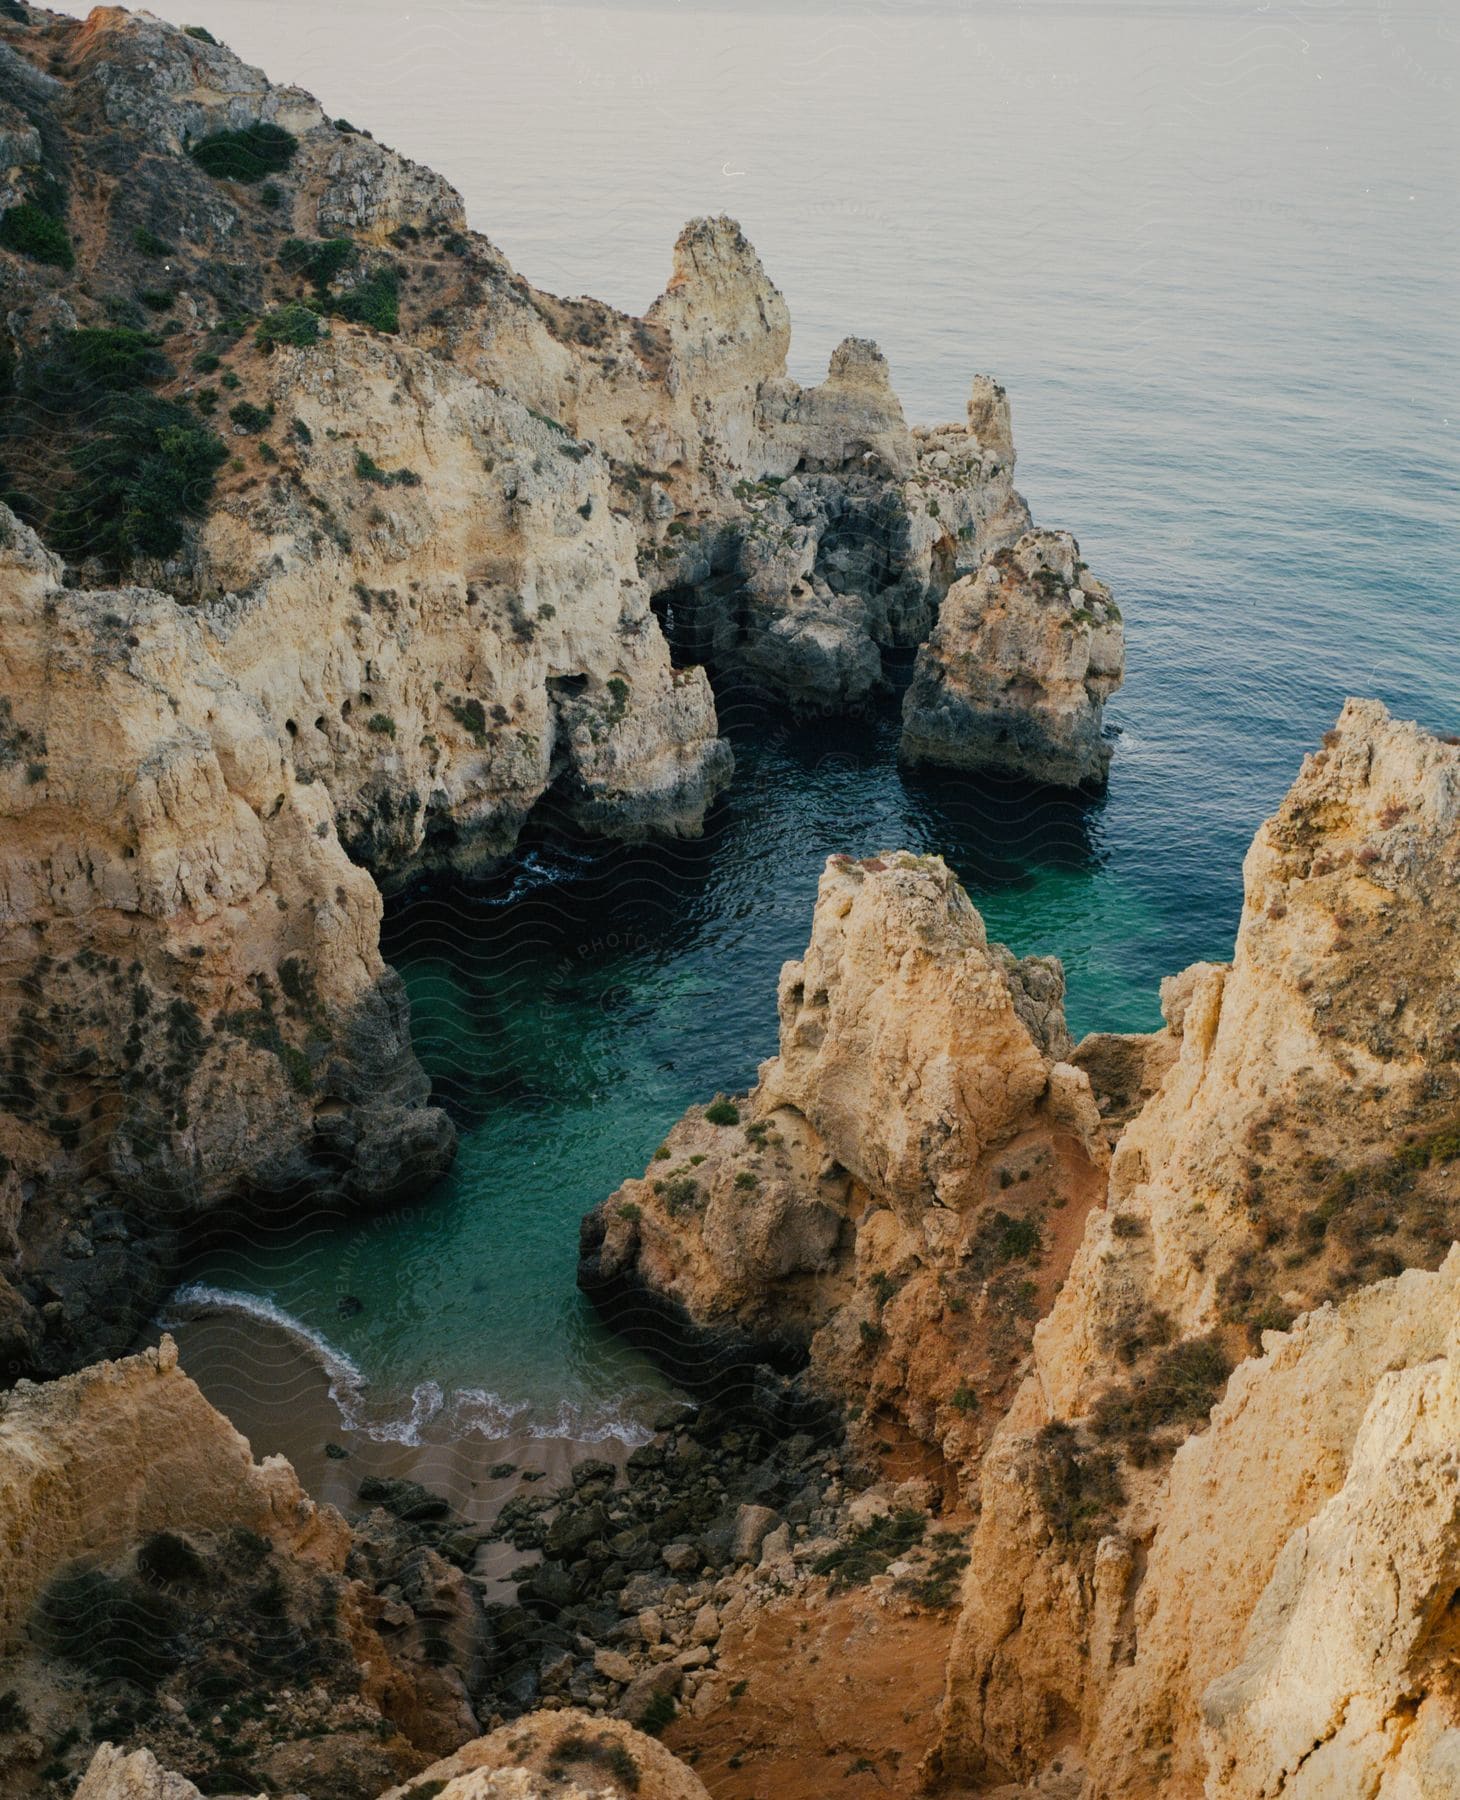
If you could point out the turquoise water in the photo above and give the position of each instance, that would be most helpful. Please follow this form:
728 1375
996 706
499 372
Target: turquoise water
1212 253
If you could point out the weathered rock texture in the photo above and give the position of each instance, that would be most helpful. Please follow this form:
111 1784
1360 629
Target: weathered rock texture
901 1192
1017 673
417 601
1213 1623
1218 1545
564 1755
91 1462
141 1544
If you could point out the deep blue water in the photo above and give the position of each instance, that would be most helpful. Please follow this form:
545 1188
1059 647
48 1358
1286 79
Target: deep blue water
1213 255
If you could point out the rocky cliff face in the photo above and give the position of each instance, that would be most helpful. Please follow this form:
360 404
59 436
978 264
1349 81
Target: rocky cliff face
900 1194
1180 1583
155 1578
198 1005
1017 673
353 549
1301 1145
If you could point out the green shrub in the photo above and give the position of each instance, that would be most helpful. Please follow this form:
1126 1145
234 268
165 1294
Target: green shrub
246 155
157 300
230 380
603 1751
367 469
471 716
723 1112
271 195
1078 1488
882 1285
1018 1238
150 465
679 1193
165 1558
13 1716
293 324
31 231
82 367
869 1551
374 301
630 1213
301 431
149 243
205 362
319 262
248 417
115 1629
1183 1386
382 724
658 1714
201 34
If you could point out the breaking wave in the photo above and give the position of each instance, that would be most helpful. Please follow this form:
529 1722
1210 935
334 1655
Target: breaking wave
469 1412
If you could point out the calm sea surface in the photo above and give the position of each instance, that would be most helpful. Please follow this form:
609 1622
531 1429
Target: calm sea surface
1214 256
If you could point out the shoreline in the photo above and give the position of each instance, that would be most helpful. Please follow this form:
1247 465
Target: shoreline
276 1391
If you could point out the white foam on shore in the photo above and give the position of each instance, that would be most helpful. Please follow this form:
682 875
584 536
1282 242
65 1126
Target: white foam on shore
197 1299
470 1411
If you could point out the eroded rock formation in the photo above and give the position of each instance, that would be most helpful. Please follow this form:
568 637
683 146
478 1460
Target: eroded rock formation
1217 1550
364 540
900 1194
1016 675
546 1756
1302 1144
153 1576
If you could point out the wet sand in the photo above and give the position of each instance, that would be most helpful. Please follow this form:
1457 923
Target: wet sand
275 1390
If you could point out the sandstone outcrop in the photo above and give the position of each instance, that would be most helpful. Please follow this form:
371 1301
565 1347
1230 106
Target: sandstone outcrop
1302 1145
199 1004
1217 1547
367 544
900 1194
564 1752
143 1546
1016 674
563 1755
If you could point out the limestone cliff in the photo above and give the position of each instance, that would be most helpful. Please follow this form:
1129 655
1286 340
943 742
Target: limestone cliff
198 1005
353 549
154 1577
564 1755
1217 1548
900 1194
1302 1143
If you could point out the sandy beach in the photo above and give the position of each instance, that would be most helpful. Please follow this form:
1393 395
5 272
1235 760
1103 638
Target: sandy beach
277 1392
